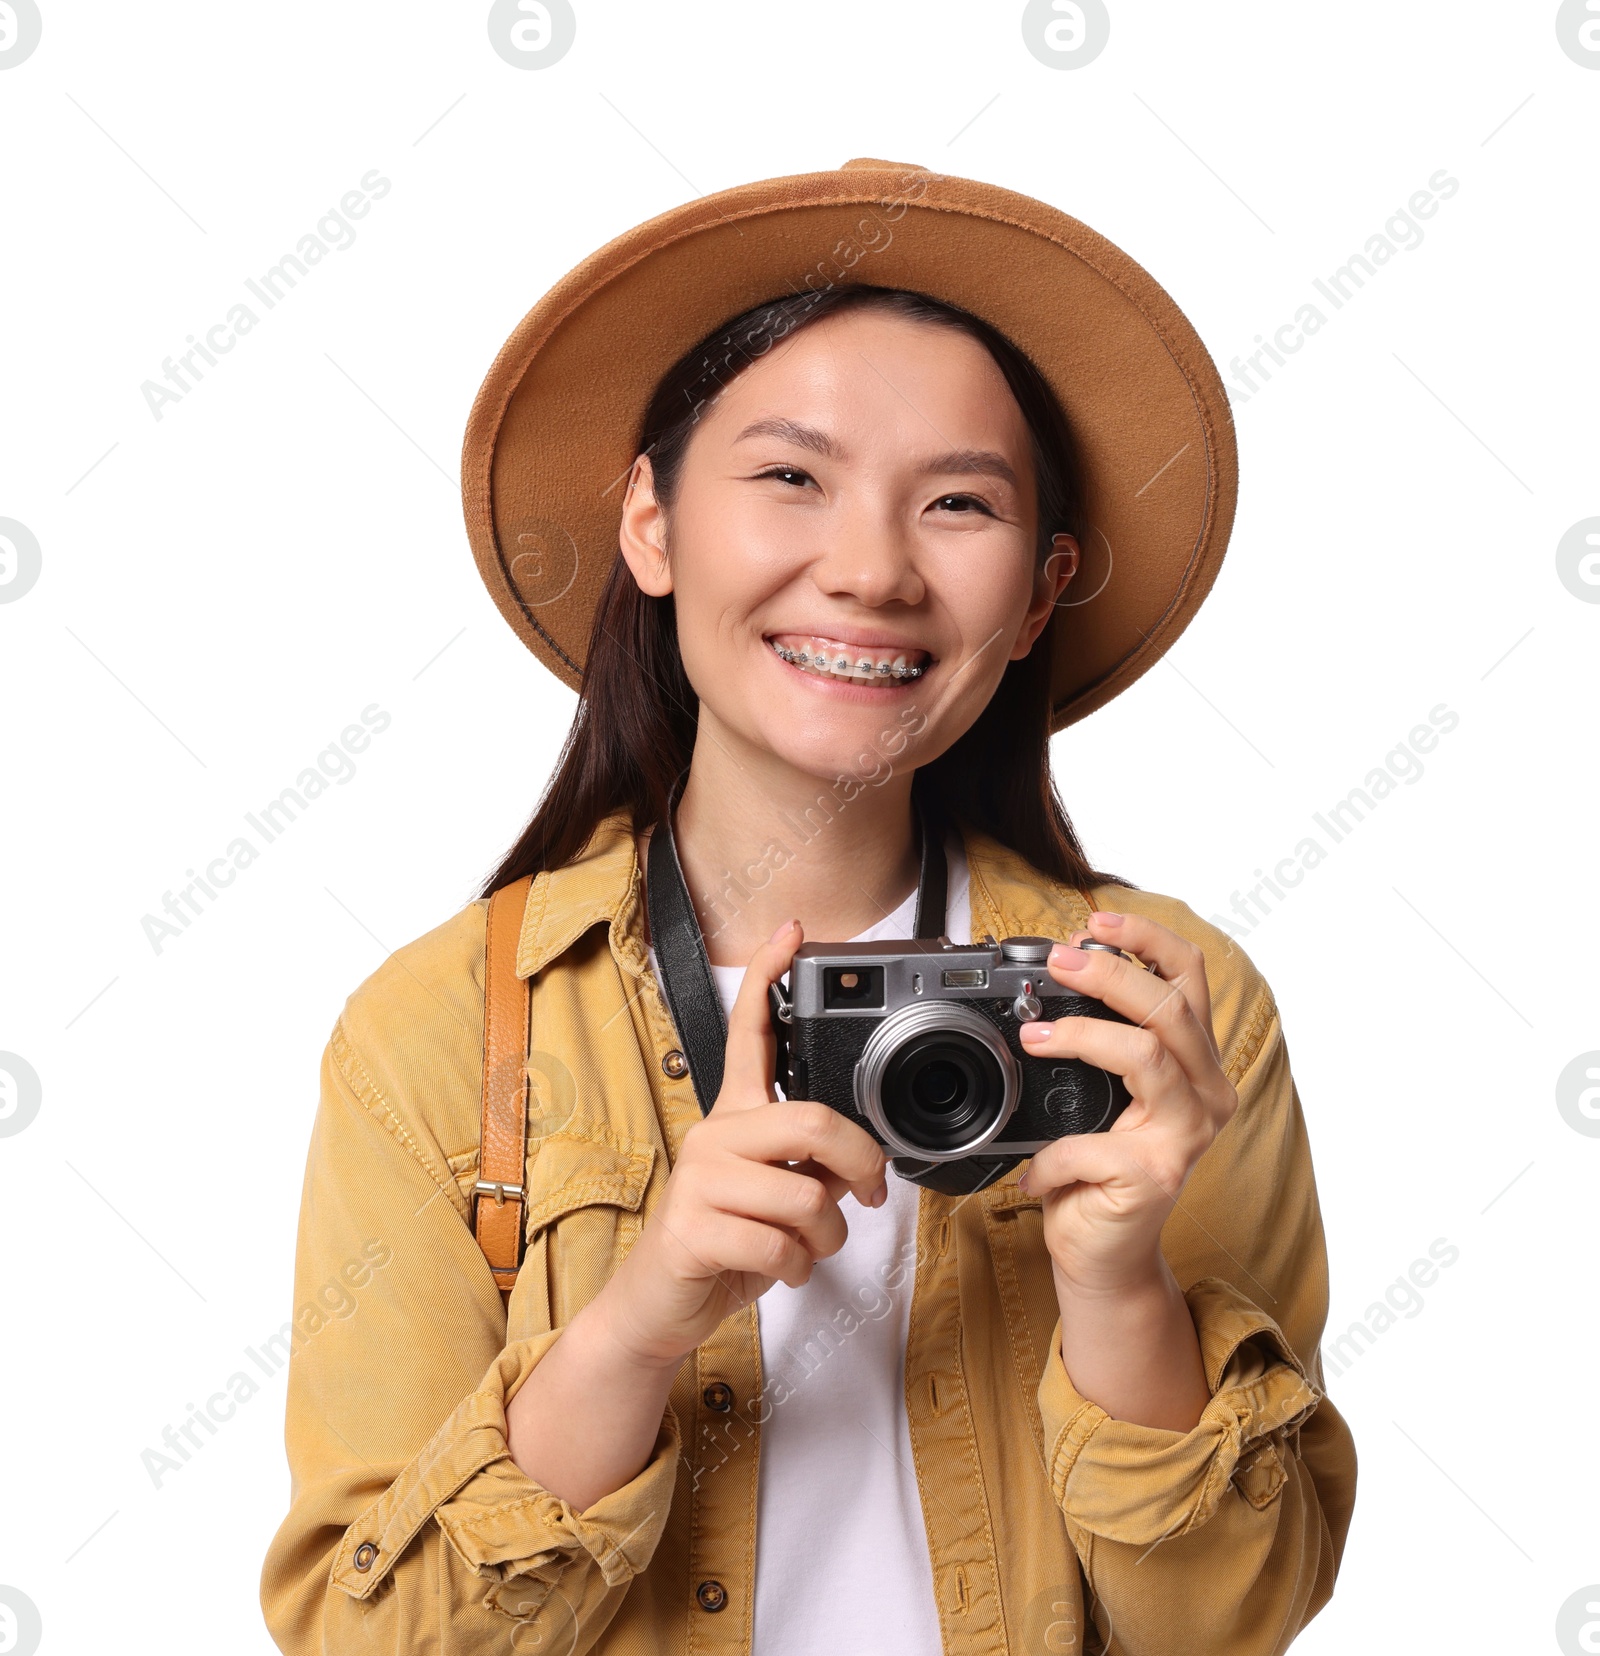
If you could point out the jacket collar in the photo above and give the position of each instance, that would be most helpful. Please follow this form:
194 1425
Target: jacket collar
1010 898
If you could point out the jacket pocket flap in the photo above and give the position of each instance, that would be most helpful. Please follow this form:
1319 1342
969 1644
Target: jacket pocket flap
571 1169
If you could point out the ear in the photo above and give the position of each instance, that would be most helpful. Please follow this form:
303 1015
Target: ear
642 535
1058 568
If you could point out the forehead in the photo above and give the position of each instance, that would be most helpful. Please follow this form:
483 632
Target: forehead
885 375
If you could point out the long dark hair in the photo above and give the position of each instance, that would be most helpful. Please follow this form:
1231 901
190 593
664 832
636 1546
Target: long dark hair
634 730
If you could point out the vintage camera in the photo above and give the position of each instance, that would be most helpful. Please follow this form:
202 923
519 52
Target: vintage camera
916 1041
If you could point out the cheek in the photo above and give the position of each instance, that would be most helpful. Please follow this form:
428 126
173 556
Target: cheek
717 587
988 567
985 590
729 559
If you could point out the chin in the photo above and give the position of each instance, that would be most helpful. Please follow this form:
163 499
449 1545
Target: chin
864 745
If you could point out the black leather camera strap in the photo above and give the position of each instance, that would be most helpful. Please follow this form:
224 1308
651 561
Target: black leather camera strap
691 991
685 972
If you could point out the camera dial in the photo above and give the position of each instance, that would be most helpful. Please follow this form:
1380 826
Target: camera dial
1026 951
1035 951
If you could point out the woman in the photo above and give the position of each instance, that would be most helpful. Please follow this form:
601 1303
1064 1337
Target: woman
823 624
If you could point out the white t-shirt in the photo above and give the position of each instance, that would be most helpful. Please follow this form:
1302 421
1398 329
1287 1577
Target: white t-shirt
842 1562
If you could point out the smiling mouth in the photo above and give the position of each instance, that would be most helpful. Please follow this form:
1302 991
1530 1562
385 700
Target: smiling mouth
853 663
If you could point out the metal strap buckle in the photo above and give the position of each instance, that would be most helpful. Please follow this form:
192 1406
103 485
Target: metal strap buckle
499 1189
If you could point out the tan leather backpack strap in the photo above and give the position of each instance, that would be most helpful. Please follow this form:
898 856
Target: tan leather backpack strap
499 1200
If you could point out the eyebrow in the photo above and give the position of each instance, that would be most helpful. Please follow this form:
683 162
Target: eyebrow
953 462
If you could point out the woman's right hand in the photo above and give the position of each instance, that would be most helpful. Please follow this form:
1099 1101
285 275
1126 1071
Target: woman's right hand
735 1217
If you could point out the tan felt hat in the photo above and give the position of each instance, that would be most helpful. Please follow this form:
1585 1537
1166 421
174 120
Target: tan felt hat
551 436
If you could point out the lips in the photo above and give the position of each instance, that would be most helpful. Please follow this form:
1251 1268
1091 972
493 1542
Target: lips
872 662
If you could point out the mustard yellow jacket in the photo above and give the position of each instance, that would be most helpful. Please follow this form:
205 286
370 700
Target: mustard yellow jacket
1051 1526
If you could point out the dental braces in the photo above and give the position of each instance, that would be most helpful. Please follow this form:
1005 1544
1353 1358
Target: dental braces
843 664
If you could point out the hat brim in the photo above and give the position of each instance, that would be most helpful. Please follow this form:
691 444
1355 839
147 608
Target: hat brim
551 435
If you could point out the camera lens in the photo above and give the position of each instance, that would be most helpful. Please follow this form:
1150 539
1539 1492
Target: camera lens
941 1090
936 1081
938 1085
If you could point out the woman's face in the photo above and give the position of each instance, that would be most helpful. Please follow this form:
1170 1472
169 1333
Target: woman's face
861 498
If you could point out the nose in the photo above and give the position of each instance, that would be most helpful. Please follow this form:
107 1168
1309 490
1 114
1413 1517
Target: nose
869 558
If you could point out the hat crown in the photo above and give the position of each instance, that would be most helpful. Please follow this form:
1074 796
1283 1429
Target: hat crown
882 166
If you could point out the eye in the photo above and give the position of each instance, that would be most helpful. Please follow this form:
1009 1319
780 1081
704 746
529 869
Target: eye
786 474
963 503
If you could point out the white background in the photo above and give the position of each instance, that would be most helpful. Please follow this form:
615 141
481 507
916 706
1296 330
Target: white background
225 588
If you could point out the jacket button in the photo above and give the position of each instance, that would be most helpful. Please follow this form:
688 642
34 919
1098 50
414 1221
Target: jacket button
675 1065
366 1556
712 1595
718 1396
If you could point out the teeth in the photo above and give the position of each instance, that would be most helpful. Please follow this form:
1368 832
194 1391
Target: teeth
835 663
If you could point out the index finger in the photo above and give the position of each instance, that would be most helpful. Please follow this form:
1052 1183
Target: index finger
1180 966
747 1071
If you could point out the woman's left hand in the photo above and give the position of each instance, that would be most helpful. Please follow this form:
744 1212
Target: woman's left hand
1107 1195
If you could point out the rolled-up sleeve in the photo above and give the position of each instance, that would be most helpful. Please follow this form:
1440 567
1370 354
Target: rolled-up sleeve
410 1526
1225 1538
1140 1484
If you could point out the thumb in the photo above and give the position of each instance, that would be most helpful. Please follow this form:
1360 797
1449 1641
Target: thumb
752 1048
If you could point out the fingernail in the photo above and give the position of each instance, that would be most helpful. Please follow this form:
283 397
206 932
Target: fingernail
1106 917
1022 1181
880 1195
1068 957
783 931
1031 1032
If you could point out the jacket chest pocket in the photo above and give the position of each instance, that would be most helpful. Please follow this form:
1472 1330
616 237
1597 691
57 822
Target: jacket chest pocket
585 1196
